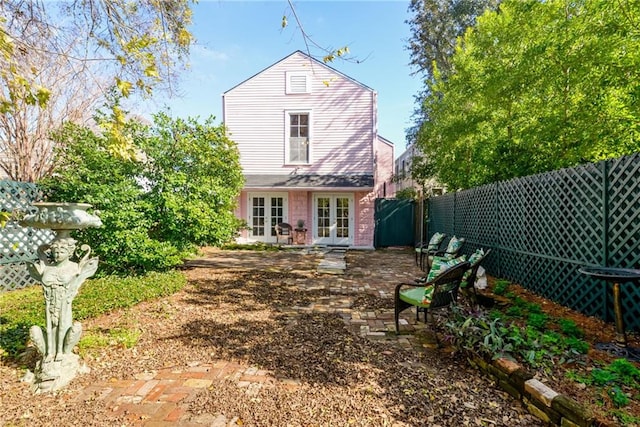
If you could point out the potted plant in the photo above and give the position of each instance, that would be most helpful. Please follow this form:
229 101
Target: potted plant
300 225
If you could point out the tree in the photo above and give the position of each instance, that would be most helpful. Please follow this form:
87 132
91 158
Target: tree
26 148
194 177
327 54
179 193
435 28
140 42
536 86
132 46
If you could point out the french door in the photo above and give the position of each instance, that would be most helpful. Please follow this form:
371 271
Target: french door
333 219
265 210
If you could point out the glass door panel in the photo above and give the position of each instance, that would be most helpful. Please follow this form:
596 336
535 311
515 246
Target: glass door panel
265 210
277 212
323 217
258 212
333 219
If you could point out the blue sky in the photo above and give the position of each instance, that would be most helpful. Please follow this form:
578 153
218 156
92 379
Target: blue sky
237 39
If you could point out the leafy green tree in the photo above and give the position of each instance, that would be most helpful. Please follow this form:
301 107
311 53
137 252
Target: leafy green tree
179 193
194 177
535 86
88 172
436 26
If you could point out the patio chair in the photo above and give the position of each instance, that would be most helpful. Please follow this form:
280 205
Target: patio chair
284 231
422 249
453 248
440 292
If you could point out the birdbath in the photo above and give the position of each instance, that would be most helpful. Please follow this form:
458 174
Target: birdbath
61 278
616 276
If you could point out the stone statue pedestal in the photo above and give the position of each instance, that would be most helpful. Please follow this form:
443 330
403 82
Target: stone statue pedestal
61 278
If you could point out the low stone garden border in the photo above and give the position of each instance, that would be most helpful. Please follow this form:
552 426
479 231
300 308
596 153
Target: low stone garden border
540 400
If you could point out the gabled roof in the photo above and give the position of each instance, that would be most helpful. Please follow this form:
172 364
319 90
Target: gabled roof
310 58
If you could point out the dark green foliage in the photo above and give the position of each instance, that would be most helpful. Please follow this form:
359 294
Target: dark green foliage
569 327
155 211
435 28
19 310
534 308
495 314
23 308
501 287
580 346
618 397
537 320
195 178
617 380
625 418
112 292
520 331
514 311
627 372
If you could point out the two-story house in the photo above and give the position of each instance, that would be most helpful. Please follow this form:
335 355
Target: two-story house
310 150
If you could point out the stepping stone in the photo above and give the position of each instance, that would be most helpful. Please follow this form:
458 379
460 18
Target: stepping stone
333 262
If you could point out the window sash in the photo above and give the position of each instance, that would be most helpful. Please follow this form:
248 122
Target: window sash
299 137
299 150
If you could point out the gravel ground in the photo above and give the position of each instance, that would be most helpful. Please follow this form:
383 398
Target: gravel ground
250 308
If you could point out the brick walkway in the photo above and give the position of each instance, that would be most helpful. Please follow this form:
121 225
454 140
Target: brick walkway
161 398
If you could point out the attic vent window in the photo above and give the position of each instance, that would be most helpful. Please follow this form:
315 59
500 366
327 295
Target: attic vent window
298 83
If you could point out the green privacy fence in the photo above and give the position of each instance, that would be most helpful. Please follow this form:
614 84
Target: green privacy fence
543 228
18 244
394 222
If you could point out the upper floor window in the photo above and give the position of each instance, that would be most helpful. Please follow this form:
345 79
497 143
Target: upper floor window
297 82
299 125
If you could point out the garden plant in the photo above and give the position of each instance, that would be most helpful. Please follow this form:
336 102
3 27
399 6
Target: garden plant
550 346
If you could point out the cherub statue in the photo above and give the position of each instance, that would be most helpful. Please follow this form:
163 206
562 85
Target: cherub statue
61 279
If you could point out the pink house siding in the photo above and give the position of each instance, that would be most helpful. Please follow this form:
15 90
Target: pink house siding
342 114
365 223
299 209
348 160
240 211
384 168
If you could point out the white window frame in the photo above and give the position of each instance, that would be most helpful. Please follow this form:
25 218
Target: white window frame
287 133
289 75
333 239
268 238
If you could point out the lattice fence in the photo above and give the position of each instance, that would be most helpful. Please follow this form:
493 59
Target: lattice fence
543 228
18 244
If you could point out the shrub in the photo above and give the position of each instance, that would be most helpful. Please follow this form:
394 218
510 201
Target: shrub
179 194
407 193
